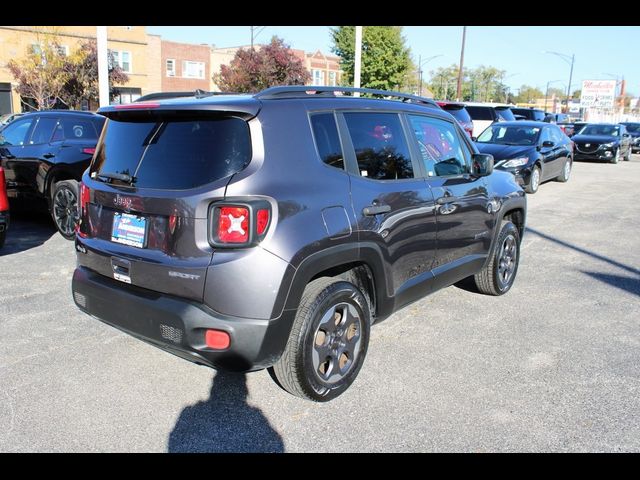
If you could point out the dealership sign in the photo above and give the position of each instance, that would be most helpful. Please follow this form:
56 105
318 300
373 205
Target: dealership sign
598 93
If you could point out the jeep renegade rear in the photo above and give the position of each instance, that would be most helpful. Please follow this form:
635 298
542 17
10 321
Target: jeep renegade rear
272 230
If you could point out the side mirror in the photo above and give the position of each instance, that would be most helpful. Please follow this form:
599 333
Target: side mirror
548 144
474 139
627 135
481 164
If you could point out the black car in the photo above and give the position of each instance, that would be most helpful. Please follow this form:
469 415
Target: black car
634 130
533 151
271 230
4 209
532 114
460 113
44 155
602 141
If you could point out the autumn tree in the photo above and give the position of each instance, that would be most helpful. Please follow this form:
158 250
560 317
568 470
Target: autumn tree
386 60
252 70
40 75
81 69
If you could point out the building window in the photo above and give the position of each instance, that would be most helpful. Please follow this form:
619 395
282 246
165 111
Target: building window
332 79
63 50
171 67
192 69
123 59
318 77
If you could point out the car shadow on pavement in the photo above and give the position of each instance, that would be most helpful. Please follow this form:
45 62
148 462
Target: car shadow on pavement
27 229
224 422
629 284
597 256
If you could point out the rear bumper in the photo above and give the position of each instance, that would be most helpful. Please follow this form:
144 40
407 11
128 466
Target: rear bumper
178 325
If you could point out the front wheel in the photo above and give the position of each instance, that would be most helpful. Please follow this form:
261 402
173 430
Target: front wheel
497 276
3 236
616 157
64 207
328 341
627 157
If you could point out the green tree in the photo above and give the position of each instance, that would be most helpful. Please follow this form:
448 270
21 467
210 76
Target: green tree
82 75
254 70
386 61
558 92
528 94
443 82
40 74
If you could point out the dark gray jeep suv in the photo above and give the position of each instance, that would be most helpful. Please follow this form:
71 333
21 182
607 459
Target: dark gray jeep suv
272 230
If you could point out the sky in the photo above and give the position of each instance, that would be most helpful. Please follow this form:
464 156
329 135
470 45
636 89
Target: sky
601 53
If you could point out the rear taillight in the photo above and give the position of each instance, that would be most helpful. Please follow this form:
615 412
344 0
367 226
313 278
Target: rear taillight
89 151
233 225
239 225
84 198
4 201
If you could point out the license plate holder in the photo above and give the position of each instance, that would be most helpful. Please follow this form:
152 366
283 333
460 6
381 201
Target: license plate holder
129 229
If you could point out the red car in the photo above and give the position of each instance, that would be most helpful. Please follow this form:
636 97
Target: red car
460 113
4 208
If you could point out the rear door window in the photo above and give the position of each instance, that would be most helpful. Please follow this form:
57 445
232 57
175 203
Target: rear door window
480 113
380 144
43 131
173 153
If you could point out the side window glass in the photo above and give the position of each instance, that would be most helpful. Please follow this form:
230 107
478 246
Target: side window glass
545 136
15 133
42 133
327 140
381 148
440 147
75 129
556 135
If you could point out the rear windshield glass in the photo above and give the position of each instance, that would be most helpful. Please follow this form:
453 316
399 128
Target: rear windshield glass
504 113
479 113
459 113
632 127
173 153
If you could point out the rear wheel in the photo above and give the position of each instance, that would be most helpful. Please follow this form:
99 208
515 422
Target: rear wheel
566 172
328 341
64 207
497 276
534 181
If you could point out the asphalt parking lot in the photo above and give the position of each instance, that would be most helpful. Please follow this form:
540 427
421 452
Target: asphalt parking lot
552 366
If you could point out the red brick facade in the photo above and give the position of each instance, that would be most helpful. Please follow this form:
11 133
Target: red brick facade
186 63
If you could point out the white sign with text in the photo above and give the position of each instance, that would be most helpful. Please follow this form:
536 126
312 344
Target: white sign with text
598 93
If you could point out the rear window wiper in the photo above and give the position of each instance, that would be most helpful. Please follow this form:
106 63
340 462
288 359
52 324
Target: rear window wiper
123 177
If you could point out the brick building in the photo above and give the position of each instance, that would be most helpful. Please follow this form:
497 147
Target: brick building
185 67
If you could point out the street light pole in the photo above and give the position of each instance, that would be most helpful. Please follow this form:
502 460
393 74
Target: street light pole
420 64
459 88
358 60
546 93
566 59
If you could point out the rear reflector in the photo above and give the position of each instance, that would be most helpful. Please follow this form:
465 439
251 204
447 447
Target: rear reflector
4 201
90 151
137 106
217 339
263 220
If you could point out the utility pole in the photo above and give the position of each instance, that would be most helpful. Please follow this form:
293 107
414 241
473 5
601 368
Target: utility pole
420 64
566 59
103 65
255 31
459 90
358 60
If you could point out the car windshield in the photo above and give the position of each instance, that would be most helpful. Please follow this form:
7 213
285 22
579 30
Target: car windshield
633 127
510 135
608 130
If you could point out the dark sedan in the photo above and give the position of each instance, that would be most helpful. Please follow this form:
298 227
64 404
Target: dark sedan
533 151
603 141
4 209
634 130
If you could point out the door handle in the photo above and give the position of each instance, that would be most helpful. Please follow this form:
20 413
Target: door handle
446 199
49 155
376 209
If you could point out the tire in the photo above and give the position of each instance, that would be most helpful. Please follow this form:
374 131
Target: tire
566 172
3 236
616 157
534 180
300 370
627 157
64 207
490 279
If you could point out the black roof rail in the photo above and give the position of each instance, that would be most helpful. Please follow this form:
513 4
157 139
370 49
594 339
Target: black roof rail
164 95
308 91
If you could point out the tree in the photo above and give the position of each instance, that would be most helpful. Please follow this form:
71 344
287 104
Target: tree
82 75
444 81
528 94
254 70
40 74
386 61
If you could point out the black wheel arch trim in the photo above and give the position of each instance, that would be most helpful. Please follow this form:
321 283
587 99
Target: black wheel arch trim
509 205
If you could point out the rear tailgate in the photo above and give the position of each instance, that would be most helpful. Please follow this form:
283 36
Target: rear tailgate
152 230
